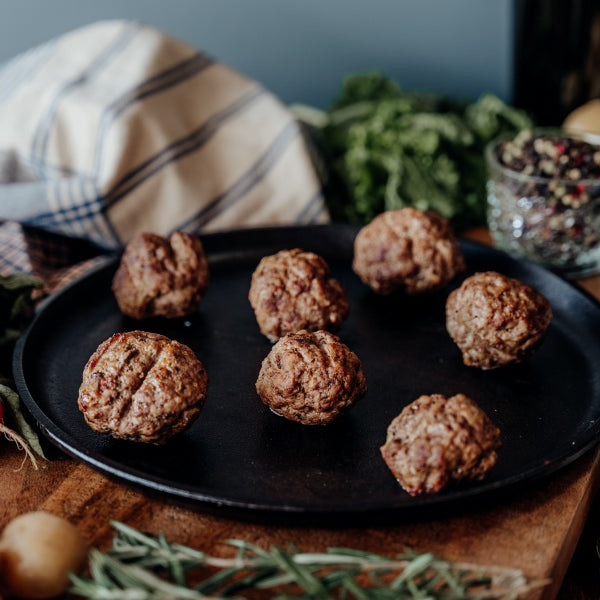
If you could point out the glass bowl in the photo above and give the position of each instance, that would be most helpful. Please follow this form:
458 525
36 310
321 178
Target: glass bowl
550 219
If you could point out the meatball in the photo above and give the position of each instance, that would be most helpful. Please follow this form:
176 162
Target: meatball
437 440
310 377
161 277
294 290
142 387
496 320
407 249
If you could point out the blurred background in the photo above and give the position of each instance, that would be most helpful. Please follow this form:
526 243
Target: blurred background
301 50
538 54
542 55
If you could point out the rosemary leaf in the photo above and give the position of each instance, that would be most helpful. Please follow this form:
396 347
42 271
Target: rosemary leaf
175 566
132 577
247 547
139 566
89 589
218 580
349 584
416 592
301 575
133 536
249 582
361 554
417 566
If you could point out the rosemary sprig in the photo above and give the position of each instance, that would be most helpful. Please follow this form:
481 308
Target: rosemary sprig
139 566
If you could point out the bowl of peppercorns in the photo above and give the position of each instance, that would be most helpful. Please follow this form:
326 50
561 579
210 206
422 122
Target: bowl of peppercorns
543 194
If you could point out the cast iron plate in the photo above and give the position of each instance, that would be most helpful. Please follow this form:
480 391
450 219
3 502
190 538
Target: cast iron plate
239 456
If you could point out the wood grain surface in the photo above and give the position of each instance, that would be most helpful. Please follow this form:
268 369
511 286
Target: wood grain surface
536 531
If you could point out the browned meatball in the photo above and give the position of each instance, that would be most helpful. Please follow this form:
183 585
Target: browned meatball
142 387
161 277
437 440
408 250
311 377
294 290
496 320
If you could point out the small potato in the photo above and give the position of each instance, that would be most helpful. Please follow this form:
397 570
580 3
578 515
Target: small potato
37 551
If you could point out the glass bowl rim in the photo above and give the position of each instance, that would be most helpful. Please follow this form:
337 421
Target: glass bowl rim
493 163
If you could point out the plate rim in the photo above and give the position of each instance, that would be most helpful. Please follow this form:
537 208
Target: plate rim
154 484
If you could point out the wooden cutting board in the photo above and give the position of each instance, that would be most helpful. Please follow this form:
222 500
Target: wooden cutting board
536 530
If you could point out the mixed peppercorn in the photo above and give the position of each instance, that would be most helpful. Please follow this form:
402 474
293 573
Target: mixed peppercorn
544 200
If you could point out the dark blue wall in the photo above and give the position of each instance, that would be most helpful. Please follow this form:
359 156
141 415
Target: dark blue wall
301 49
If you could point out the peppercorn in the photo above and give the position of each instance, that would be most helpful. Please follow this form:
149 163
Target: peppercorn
552 215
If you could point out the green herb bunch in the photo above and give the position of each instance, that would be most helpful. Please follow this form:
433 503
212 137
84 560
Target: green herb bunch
380 148
139 566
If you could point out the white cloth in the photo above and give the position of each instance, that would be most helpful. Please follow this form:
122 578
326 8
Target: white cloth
116 128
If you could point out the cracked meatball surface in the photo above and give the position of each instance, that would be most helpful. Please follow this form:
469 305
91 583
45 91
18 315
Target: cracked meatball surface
142 386
436 440
293 290
160 276
496 320
311 377
408 250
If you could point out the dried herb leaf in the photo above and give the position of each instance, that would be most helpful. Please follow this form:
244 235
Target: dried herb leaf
10 399
16 308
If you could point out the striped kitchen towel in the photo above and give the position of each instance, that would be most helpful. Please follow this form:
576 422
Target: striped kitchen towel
117 128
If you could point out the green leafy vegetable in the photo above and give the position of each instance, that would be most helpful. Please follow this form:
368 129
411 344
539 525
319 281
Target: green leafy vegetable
380 148
144 567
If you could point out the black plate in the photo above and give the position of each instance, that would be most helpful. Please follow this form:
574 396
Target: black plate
242 457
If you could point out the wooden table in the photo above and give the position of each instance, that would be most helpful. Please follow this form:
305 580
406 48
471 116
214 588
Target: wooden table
537 531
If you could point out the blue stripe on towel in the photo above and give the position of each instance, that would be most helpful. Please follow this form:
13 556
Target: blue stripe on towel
321 210
45 170
313 205
164 80
246 182
182 147
99 222
23 68
68 211
42 135
14 257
